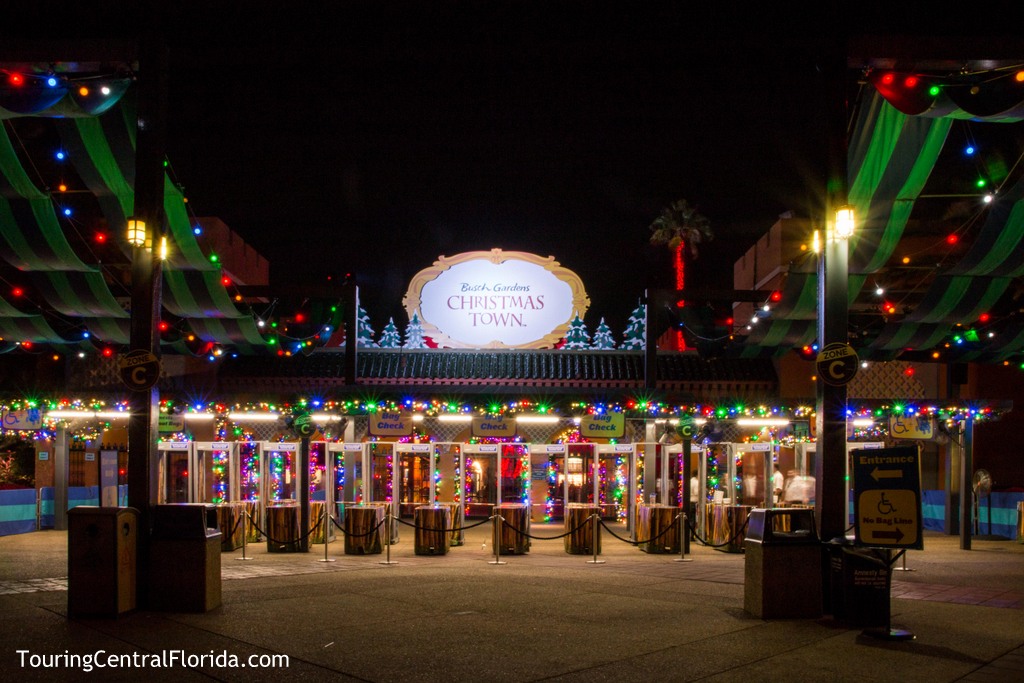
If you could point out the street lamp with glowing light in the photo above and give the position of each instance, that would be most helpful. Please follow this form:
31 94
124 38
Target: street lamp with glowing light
136 232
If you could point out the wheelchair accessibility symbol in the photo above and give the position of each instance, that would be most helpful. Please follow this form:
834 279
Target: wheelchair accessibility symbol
884 506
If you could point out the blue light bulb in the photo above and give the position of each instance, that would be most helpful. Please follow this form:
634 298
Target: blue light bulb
969 150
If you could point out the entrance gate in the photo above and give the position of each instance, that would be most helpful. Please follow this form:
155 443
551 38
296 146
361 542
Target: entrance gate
218 471
177 480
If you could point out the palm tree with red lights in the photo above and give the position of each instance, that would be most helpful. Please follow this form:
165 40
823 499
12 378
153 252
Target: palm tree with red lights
681 228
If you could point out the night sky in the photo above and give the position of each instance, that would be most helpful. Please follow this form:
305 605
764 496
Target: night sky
376 141
370 138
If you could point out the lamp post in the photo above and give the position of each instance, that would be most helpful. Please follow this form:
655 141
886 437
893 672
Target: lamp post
833 317
143 427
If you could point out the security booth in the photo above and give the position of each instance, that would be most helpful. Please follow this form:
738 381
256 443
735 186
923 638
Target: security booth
218 471
660 475
580 481
716 472
755 462
218 485
547 461
381 478
657 466
348 462
415 482
250 477
448 464
514 473
480 479
321 492
177 472
279 463
616 483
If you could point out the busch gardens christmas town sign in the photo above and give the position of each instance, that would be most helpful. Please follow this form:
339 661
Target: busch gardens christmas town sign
496 299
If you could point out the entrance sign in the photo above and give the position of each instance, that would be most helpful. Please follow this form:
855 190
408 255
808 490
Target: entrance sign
837 364
887 497
496 299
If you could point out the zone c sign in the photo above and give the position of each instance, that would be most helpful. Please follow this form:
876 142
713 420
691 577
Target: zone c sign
837 364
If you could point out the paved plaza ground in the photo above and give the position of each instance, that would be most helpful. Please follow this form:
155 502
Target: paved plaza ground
545 615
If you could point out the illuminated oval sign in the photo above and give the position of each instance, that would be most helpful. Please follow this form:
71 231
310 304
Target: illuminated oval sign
496 299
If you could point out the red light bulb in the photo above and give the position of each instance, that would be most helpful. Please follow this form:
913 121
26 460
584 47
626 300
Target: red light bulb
952 239
910 81
887 79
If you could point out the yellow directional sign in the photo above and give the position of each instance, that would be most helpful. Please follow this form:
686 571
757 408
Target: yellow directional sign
887 497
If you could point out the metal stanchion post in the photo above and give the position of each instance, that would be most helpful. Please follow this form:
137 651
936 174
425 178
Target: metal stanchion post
245 534
597 531
682 540
903 568
498 519
387 540
323 520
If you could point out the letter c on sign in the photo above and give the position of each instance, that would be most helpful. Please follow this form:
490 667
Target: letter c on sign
138 375
832 369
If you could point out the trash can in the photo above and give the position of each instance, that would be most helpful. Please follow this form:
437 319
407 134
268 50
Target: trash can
102 544
364 528
511 535
433 529
580 537
658 528
184 560
782 564
282 528
859 582
231 523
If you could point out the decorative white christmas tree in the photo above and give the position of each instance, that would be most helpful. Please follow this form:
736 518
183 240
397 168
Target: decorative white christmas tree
603 337
633 338
577 337
364 333
414 334
389 338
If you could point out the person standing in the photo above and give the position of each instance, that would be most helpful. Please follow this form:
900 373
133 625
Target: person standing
777 483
